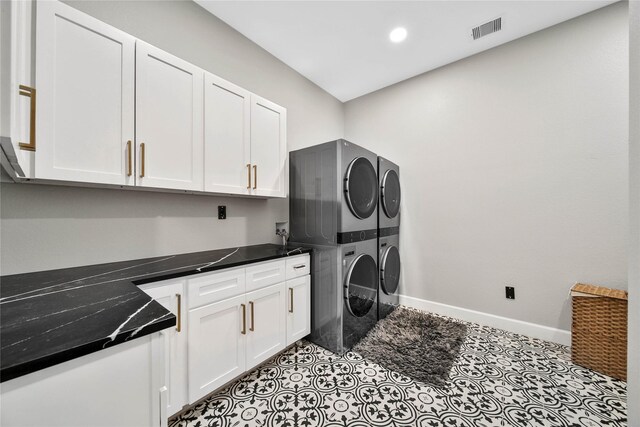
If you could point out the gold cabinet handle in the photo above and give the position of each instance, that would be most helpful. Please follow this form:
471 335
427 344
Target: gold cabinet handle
291 300
129 162
255 176
179 324
244 319
251 310
30 93
248 176
142 160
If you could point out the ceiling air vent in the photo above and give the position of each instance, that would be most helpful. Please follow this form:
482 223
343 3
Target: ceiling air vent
487 28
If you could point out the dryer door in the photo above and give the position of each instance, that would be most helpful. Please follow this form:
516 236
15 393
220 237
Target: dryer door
390 193
361 188
390 270
361 285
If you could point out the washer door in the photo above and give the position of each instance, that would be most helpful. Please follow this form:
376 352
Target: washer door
390 270
360 285
390 191
361 188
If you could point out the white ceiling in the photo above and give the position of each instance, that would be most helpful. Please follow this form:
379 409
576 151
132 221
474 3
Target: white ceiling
344 46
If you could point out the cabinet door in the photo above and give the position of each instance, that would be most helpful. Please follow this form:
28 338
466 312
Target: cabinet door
170 295
298 308
268 147
169 110
85 97
266 334
227 159
216 345
15 102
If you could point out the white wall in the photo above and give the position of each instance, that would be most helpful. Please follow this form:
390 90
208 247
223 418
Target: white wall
633 377
45 227
513 164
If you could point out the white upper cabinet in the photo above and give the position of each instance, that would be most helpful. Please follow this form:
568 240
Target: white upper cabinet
85 97
268 147
169 126
17 95
114 110
245 141
227 132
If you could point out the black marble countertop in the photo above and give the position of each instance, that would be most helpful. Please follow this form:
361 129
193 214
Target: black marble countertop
50 317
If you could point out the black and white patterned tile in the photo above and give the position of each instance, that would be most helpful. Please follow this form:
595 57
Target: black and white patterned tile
500 379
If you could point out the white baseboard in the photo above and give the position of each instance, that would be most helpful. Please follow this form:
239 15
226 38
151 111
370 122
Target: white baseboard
546 333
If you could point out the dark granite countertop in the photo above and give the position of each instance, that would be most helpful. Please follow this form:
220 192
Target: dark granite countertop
50 317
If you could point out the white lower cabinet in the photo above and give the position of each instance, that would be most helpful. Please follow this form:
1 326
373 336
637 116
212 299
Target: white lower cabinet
298 308
237 318
217 341
267 333
170 294
118 386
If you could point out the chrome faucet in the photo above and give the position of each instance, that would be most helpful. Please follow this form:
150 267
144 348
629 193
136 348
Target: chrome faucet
282 233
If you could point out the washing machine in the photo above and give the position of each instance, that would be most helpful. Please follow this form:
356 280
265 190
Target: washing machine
333 208
360 290
389 274
388 236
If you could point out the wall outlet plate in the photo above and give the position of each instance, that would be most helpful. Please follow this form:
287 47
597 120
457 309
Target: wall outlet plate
510 292
222 212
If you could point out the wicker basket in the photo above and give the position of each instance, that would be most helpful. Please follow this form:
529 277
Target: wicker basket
599 329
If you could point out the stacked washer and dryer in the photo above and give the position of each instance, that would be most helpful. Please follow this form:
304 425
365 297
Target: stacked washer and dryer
345 204
333 190
388 236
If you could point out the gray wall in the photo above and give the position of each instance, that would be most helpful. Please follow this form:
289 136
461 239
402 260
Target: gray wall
514 169
45 227
633 380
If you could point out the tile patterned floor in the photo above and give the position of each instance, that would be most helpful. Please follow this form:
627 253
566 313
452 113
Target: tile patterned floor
500 379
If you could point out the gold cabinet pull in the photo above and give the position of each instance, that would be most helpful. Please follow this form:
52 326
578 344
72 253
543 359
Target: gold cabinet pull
255 176
142 160
291 300
129 162
251 310
30 93
248 176
244 319
179 324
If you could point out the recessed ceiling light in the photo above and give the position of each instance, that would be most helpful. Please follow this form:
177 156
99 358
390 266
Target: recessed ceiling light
398 35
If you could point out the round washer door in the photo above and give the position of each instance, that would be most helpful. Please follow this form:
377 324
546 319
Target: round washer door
361 285
390 191
361 187
390 270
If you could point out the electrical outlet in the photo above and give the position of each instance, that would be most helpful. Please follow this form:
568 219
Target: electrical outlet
510 292
222 212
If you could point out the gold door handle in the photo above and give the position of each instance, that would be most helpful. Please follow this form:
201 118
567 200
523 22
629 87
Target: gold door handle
179 324
248 176
30 93
129 162
251 328
244 319
291 300
142 160
255 176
